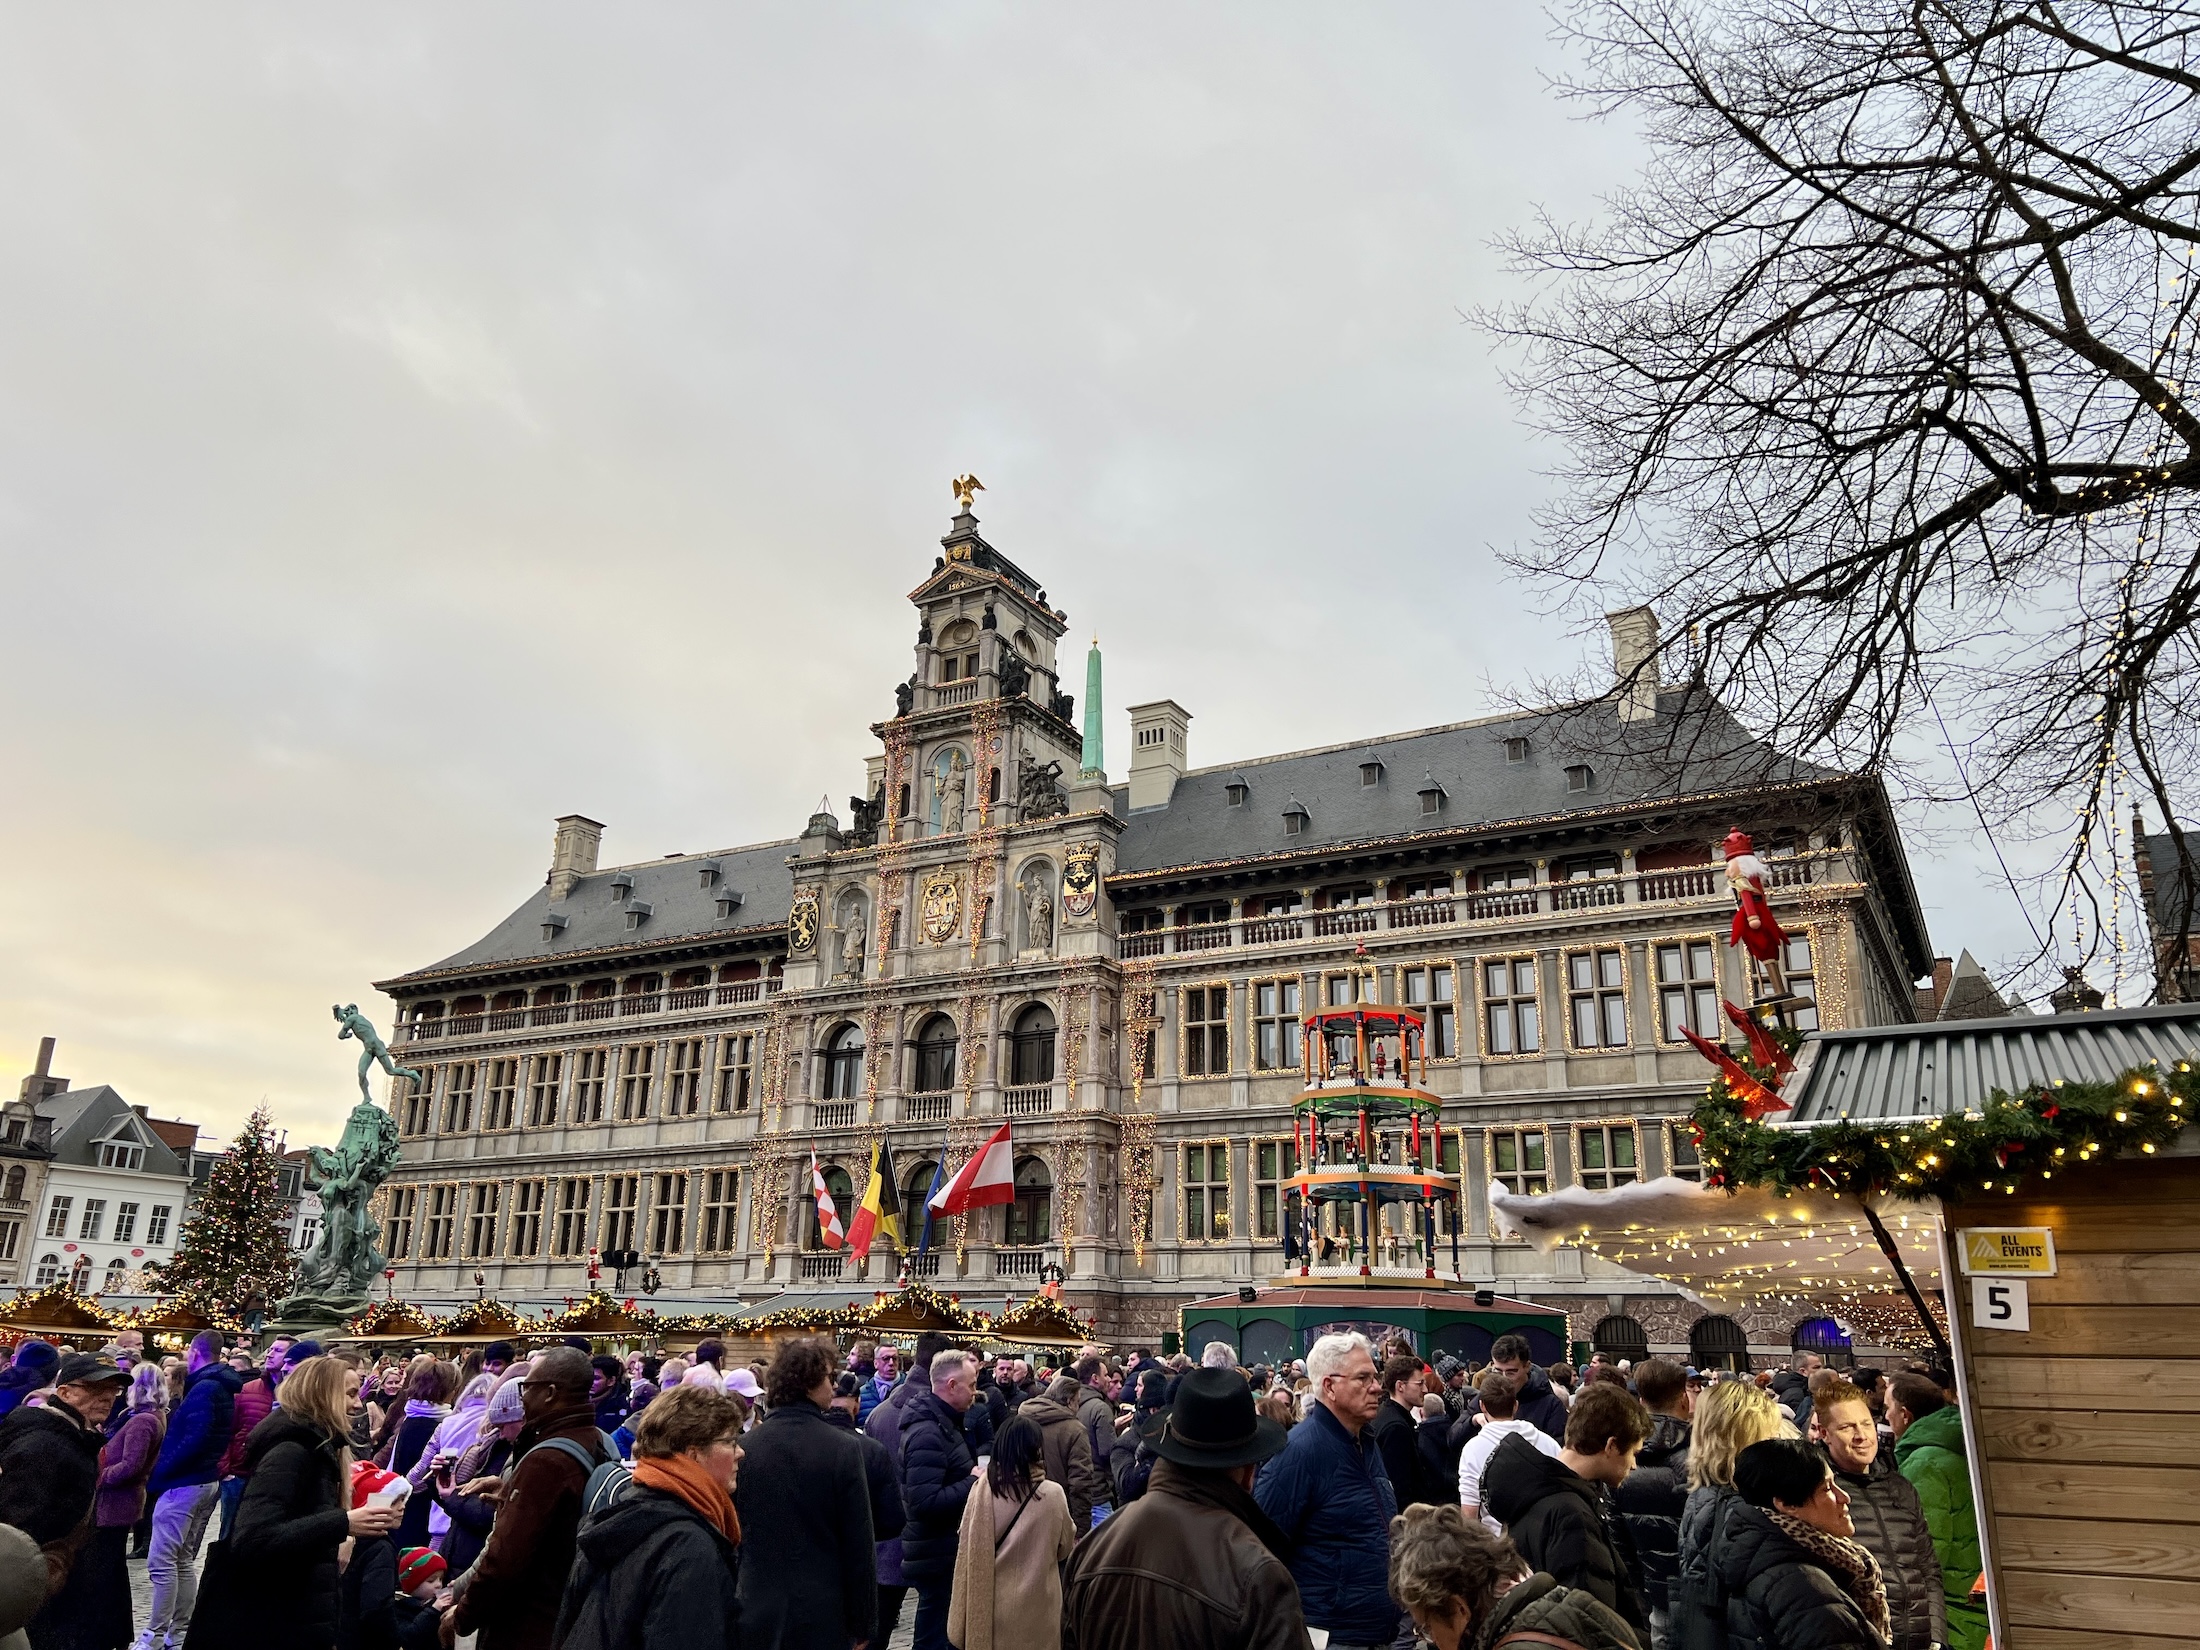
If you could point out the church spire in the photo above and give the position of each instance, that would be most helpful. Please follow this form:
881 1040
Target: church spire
1094 760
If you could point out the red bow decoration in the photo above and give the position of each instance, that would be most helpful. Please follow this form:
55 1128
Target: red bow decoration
1755 1097
2001 1152
1762 1048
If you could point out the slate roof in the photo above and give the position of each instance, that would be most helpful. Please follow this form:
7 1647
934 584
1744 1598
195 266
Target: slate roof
1952 1065
681 908
82 1117
1629 763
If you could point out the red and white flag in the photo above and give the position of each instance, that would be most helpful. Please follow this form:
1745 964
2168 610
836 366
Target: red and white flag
989 1177
829 1229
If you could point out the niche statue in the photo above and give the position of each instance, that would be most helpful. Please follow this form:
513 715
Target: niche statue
1038 914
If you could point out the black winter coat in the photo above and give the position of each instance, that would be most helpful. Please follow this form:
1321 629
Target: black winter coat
935 1482
1540 1605
1697 1601
366 1598
291 1521
1439 1459
1393 1430
887 1512
1890 1521
1776 1597
650 1574
47 1458
1566 1525
1651 1501
809 1572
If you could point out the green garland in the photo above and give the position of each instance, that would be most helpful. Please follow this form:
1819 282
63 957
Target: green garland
2013 1141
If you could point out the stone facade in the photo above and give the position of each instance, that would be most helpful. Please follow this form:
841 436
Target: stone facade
642 1057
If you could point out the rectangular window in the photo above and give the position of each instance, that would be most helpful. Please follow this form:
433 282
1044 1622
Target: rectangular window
1274 1161
1206 1191
1519 1160
1206 1031
11 1236
1802 981
528 1197
57 1216
1341 990
1682 1160
684 1081
458 1100
722 1212
95 1217
1429 988
1447 1204
1688 989
1277 1032
736 1070
1509 1016
1605 1156
668 1211
156 1224
481 1230
1596 998
542 1093
436 1240
501 1103
404 1204
622 1207
572 1227
121 1154
419 1116
636 1073
588 1085
126 1216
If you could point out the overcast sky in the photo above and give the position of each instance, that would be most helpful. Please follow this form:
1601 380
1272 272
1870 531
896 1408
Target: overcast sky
419 422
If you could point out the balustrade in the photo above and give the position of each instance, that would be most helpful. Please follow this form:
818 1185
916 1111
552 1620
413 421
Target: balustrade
828 1265
925 1108
1033 1100
834 1114
1018 1263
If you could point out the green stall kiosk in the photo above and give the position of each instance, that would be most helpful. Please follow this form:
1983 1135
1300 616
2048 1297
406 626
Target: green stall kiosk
1272 1324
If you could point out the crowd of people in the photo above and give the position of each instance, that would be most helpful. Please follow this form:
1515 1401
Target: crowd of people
1360 1497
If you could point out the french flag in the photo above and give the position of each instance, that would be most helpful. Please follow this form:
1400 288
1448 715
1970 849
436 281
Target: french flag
989 1177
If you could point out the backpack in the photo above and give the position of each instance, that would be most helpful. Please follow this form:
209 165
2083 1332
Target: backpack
609 1478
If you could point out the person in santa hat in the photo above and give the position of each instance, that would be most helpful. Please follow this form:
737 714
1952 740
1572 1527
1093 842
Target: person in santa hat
1755 928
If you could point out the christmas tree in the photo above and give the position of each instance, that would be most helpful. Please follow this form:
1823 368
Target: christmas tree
233 1248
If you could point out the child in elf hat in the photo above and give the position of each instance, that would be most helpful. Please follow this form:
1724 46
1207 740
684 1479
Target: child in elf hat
413 1615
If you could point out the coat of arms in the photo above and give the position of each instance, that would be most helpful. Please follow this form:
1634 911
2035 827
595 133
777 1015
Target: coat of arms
1081 879
940 907
802 920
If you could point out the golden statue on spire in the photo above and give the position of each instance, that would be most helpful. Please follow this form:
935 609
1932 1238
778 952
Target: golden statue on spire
964 487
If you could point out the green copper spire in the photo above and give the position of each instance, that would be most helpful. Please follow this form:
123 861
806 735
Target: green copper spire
1094 761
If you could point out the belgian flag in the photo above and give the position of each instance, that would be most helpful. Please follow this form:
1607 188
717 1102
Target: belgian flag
881 1207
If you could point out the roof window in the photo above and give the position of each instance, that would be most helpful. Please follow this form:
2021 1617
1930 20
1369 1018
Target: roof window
1579 777
1432 796
708 871
1236 792
622 885
729 902
1516 750
1295 818
553 924
637 912
1371 771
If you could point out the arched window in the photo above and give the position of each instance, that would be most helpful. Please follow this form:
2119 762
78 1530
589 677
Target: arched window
1827 1338
49 1268
1718 1342
914 1191
844 1063
15 1184
844 1199
80 1275
1031 1047
1620 1337
1031 1216
116 1269
936 1055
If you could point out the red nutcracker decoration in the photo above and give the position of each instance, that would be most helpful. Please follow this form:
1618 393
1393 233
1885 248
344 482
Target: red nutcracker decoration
1755 928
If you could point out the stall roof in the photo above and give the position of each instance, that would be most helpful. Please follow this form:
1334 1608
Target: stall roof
1886 1072
1363 1299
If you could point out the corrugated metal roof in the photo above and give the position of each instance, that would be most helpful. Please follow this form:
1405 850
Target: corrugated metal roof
1953 1065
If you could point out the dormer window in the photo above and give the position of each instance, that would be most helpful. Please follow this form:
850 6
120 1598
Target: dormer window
622 885
1236 792
1295 818
1371 772
553 924
121 1154
1516 750
1579 777
728 902
708 872
1432 796
637 912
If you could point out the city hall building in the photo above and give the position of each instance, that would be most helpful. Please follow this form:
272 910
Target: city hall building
642 1056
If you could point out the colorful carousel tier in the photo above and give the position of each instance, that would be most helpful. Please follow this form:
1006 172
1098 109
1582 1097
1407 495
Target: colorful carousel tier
1379 1183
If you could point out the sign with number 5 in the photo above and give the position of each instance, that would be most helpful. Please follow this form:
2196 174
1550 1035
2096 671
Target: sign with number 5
2001 1303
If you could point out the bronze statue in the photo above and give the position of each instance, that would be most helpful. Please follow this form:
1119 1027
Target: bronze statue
334 1279
372 1050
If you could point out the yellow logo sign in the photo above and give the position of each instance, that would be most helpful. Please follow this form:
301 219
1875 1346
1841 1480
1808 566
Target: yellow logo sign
2008 1251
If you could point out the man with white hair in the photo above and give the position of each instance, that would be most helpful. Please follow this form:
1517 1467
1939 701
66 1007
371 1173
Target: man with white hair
1219 1355
1332 1499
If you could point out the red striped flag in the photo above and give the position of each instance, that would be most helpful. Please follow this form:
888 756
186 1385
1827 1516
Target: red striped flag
989 1177
829 1230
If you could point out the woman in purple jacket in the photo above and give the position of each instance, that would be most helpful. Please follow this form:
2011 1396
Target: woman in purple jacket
124 1465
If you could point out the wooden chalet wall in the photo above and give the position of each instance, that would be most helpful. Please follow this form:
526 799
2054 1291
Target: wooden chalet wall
2091 1420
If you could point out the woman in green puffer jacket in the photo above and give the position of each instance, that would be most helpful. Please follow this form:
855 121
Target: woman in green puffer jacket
1928 1447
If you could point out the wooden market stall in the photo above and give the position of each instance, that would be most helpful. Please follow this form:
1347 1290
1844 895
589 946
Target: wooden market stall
1037 1321
617 1325
915 1309
58 1314
480 1323
169 1325
2033 1195
388 1323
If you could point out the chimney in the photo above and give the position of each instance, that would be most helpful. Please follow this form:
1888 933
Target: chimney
39 1084
573 853
1157 751
1635 662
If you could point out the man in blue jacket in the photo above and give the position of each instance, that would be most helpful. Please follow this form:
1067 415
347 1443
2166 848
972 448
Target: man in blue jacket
1329 1494
185 1482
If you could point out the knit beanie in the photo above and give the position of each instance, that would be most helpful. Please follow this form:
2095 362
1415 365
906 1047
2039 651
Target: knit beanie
418 1564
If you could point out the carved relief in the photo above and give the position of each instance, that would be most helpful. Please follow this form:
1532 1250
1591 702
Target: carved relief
802 921
939 914
1081 880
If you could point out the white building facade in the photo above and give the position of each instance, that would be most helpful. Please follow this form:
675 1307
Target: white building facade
113 1196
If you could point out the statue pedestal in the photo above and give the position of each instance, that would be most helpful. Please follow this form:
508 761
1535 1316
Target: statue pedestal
310 1313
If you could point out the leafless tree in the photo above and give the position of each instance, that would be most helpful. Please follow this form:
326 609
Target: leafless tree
1874 386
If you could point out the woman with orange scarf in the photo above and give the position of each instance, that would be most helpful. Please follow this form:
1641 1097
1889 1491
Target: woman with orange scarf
657 1569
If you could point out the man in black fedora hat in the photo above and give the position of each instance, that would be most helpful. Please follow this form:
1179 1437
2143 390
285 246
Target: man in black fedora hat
1194 1560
